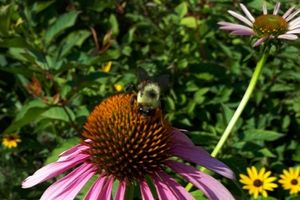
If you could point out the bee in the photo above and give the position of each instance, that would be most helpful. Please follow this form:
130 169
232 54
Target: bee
149 91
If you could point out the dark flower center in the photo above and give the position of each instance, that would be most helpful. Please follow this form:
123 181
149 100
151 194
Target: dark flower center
267 25
257 183
294 181
125 143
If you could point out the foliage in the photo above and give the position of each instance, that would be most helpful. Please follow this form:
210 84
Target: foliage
51 59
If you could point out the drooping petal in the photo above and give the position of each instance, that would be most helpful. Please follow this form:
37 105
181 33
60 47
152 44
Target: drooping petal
68 186
276 8
175 187
120 194
52 169
235 27
210 186
259 42
179 137
242 32
247 13
288 37
163 190
95 190
201 157
106 189
241 18
74 151
288 12
145 191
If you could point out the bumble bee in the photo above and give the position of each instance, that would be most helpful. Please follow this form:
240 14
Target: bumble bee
149 92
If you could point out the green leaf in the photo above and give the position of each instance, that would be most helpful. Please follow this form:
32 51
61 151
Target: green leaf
182 9
40 6
18 42
198 195
75 38
58 113
114 24
28 114
261 135
190 22
5 17
62 22
65 145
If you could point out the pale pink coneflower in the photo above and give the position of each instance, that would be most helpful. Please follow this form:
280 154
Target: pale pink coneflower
265 26
123 145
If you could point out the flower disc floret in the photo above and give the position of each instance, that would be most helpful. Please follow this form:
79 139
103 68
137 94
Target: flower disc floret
267 25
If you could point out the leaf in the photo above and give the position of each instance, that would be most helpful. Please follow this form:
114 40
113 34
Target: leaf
5 17
18 42
114 24
75 38
181 9
190 22
261 135
28 114
63 22
40 6
58 113
198 195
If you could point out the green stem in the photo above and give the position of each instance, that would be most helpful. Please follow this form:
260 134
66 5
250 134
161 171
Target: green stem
240 108
242 104
129 191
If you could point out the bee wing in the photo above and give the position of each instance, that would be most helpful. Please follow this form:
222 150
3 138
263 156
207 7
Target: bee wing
163 81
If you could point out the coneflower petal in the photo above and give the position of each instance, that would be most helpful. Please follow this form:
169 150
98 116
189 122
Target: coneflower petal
297 30
264 8
292 15
145 191
177 189
96 188
106 189
68 186
288 37
52 169
72 152
259 42
276 8
120 194
163 190
241 18
247 13
288 12
210 186
242 32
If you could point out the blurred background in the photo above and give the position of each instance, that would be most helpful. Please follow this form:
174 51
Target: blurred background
60 58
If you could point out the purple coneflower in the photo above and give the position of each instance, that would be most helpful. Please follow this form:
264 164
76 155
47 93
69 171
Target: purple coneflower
265 26
123 145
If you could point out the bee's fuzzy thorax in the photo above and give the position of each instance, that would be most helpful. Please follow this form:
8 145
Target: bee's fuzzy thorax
149 95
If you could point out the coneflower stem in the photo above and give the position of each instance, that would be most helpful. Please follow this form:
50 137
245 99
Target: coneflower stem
242 104
240 108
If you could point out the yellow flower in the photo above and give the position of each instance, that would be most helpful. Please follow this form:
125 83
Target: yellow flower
118 87
258 182
290 180
11 141
106 67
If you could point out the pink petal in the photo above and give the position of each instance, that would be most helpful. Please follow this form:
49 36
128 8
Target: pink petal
259 42
236 27
95 190
292 15
201 157
247 13
74 151
68 186
241 18
177 189
288 37
295 31
163 191
288 12
120 194
106 189
264 8
242 32
276 8
145 191
52 169
294 23
212 188
179 137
